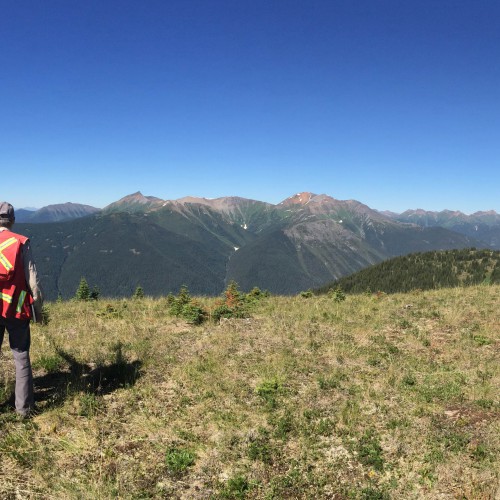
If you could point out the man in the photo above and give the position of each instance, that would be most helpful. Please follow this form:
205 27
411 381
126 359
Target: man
20 300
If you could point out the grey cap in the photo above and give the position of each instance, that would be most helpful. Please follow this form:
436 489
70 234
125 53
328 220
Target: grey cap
6 211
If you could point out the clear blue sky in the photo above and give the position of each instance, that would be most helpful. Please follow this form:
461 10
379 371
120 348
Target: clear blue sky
395 103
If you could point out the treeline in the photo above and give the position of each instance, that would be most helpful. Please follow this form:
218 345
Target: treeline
429 270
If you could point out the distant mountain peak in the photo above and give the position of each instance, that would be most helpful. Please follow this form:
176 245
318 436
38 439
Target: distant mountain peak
135 202
67 204
138 197
453 213
485 212
56 213
298 199
224 203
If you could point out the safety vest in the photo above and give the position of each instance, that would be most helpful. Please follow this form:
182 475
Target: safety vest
15 297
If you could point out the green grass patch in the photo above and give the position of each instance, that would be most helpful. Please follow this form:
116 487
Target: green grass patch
178 460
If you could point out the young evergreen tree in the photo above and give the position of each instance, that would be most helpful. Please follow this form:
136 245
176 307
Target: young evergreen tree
232 295
178 303
83 290
184 296
139 293
95 293
336 294
233 303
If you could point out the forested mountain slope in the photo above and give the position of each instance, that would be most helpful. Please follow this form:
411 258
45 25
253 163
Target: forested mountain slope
430 270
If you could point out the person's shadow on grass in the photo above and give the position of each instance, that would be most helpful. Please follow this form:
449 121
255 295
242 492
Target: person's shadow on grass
55 386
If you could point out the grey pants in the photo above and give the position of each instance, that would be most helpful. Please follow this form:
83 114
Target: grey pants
19 340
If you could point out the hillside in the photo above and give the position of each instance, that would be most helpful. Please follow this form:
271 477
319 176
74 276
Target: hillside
376 397
424 271
303 242
120 251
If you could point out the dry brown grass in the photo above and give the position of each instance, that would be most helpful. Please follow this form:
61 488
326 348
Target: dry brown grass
394 396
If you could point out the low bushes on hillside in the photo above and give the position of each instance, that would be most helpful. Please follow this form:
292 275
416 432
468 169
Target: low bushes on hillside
232 304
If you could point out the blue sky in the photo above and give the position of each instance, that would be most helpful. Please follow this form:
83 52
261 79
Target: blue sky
395 103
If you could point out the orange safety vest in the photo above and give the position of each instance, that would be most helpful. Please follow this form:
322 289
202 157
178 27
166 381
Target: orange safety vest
15 297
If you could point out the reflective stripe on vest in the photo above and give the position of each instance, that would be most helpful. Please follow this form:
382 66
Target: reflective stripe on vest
7 298
3 260
20 302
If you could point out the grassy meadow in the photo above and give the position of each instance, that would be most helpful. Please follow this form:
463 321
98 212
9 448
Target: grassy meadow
374 397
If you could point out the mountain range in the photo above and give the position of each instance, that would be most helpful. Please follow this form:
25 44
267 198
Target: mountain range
305 241
484 226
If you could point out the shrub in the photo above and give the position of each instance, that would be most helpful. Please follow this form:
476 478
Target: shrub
256 294
222 311
193 313
336 294
109 312
183 306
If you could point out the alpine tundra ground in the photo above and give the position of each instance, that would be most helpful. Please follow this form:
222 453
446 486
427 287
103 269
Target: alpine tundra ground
378 396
